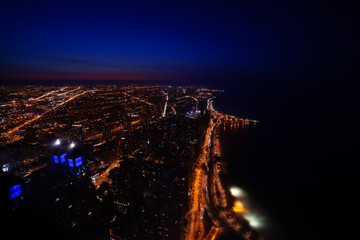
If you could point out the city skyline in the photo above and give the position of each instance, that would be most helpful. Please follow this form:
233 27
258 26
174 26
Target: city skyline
145 120
59 151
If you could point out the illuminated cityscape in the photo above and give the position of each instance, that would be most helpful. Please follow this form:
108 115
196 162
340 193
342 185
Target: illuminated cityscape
101 159
179 120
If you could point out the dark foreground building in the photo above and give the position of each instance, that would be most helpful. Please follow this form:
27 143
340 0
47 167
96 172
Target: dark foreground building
57 202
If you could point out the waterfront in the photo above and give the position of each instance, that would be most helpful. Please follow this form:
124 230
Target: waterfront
243 175
105 134
296 162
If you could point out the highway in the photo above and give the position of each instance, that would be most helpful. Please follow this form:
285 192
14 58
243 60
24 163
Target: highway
195 228
166 103
36 117
207 193
47 94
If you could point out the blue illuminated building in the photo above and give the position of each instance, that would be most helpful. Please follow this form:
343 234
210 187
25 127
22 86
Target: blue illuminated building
56 159
71 162
78 161
69 157
59 159
64 193
15 191
62 158
77 166
59 154
75 159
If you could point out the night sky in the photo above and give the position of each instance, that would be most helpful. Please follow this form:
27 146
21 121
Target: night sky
293 65
102 40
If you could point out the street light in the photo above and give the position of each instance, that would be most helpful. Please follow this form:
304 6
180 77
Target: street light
58 142
235 191
253 220
5 168
72 145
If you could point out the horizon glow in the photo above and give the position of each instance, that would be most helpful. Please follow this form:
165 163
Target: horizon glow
123 41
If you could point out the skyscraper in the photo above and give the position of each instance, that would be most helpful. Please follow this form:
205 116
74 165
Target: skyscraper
64 193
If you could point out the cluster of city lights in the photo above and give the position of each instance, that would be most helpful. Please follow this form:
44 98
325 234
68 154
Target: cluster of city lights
58 142
240 208
5 168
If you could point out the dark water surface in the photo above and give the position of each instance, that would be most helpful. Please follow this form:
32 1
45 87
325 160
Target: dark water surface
299 162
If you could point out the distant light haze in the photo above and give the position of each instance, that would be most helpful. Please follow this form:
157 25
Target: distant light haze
104 40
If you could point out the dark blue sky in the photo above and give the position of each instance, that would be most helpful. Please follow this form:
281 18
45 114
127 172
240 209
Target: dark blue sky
102 40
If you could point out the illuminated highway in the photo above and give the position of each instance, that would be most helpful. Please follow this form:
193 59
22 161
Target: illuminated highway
207 192
195 229
47 94
166 103
36 117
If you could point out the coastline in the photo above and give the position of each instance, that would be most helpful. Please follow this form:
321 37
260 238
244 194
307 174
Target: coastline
251 209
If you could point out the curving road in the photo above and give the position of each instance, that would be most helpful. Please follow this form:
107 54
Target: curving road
207 194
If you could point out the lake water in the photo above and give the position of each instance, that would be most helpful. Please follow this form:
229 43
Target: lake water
297 163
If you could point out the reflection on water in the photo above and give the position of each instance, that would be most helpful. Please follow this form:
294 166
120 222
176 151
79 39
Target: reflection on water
243 203
258 218
244 206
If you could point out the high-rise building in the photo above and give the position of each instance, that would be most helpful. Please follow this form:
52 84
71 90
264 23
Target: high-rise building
11 193
171 199
64 193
